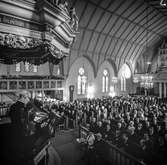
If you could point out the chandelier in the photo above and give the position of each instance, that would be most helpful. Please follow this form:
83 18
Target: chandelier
147 81
114 80
163 3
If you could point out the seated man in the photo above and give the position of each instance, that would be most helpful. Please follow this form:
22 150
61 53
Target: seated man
89 155
108 134
101 150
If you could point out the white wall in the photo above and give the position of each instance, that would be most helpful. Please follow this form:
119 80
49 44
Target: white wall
130 87
73 75
98 80
92 80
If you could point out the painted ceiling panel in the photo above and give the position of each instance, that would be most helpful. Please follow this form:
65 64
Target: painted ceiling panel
123 7
135 56
128 30
130 54
73 57
87 14
158 24
103 22
120 51
122 29
128 47
159 28
94 1
79 8
106 44
95 19
116 49
118 33
78 40
105 3
95 59
101 60
116 5
130 36
116 26
136 12
111 46
100 43
93 41
110 24
85 40
142 37
141 17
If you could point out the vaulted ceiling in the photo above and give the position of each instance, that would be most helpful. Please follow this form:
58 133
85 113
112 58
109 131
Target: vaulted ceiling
119 30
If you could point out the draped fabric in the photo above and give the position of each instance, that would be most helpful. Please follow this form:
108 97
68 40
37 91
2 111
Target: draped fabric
36 56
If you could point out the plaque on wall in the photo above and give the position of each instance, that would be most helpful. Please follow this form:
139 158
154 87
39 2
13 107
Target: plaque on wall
38 84
22 84
53 84
30 84
13 85
3 85
46 84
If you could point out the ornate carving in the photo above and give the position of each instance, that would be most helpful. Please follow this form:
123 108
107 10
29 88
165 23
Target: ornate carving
16 41
162 57
72 13
18 22
64 7
74 19
55 51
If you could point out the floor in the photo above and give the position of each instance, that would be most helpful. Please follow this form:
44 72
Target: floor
67 147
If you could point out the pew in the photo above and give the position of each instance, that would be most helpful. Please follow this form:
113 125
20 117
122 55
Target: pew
115 156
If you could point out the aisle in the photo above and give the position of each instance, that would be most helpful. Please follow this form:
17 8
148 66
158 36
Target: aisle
68 149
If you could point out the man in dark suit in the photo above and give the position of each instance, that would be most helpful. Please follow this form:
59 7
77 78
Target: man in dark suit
18 117
101 151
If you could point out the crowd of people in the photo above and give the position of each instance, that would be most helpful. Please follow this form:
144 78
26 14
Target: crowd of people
136 125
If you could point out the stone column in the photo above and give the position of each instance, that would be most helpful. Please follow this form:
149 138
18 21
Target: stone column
165 89
160 89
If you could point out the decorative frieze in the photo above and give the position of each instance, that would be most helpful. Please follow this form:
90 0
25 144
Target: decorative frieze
16 41
19 22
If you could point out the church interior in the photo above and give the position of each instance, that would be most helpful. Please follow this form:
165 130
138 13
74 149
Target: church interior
83 82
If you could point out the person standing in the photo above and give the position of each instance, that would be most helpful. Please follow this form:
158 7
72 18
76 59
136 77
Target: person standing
18 116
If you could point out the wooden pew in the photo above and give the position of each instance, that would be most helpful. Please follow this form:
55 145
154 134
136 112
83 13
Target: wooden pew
116 156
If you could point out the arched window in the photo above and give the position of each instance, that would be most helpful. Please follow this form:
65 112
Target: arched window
123 83
125 73
105 81
82 79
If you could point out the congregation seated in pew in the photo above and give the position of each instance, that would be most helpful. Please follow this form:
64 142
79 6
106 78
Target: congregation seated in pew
135 124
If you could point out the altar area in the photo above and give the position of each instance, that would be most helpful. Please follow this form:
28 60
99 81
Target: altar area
160 77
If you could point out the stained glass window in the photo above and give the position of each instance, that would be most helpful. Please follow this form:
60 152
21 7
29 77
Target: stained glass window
82 80
105 81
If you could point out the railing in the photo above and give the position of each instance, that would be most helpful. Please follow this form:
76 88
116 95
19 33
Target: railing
42 155
116 156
